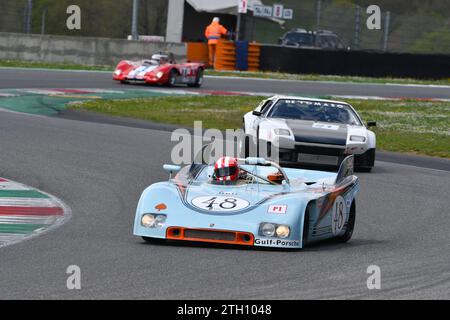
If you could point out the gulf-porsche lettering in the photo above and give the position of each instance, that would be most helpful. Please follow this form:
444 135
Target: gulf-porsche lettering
277 242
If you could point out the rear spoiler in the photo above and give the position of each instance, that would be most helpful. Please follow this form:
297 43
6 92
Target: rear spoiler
345 170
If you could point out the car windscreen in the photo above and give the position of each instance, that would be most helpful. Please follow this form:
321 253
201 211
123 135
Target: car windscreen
314 111
198 174
302 38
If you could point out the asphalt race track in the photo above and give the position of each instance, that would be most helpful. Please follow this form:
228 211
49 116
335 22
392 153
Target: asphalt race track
12 78
99 170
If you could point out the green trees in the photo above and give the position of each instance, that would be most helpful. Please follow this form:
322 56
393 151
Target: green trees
100 18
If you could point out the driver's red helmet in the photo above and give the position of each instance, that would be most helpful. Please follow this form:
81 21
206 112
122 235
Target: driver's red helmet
226 169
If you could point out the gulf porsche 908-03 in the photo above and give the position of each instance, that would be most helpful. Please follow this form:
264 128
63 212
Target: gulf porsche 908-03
311 131
264 205
161 69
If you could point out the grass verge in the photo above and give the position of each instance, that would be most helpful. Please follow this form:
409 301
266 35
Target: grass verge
417 127
319 77
241 74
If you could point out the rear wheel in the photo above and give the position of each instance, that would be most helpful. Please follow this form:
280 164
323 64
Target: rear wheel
198 81
350 225
305 232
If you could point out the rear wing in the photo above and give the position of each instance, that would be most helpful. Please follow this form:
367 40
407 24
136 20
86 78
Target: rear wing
346 170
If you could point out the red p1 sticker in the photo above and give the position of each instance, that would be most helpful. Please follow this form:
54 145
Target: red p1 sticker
277 209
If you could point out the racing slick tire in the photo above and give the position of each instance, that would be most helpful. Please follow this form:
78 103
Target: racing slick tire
350 225
198 81
124 82
366 161
172 78
152 240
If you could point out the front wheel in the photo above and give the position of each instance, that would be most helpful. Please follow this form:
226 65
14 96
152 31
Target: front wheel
152 240
366 161
172 78
350 225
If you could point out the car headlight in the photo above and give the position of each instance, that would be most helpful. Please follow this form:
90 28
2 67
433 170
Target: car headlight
268 229
117 72
358 138
283 231
282 132
149 220
159 74
160 220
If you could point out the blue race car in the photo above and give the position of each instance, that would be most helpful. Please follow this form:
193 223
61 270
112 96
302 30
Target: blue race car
249 202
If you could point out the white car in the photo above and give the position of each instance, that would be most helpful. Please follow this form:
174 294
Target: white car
310 131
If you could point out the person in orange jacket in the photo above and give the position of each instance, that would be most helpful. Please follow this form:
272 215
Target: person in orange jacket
213 33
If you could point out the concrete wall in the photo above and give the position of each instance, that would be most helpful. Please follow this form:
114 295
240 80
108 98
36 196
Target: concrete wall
80 50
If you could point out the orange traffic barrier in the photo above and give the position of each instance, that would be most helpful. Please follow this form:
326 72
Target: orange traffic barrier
225 56
197 52
254 53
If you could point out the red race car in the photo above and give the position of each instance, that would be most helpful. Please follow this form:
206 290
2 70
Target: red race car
160 69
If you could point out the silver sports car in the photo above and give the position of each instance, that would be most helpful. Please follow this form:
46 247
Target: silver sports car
310 131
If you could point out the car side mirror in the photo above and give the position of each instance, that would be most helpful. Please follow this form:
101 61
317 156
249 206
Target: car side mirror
255 161
257 113
171 169
371 123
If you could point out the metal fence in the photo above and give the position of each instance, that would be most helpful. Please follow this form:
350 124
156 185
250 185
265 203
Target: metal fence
422 30
407 31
